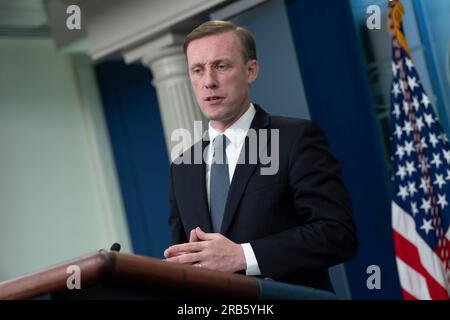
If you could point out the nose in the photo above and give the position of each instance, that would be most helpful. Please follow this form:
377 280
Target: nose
210 80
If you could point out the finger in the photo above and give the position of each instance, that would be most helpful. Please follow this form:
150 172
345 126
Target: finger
179 253
166 253
185 258
205 236
193 236
185 247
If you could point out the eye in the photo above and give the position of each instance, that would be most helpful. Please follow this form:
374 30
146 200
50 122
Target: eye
221 66
196 70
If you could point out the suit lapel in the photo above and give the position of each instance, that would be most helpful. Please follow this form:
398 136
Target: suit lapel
244 170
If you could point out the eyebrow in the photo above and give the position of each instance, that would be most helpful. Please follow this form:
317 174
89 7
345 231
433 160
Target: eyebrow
199 64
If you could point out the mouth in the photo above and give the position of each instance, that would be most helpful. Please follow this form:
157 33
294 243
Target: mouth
213 98
213 101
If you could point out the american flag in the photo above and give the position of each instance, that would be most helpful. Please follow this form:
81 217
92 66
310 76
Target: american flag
421 174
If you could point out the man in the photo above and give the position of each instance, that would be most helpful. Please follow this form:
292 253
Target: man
290 226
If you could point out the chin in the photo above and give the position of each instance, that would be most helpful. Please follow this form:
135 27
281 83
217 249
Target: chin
215 117
214 114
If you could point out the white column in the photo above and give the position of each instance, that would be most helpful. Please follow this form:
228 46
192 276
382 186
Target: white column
177 104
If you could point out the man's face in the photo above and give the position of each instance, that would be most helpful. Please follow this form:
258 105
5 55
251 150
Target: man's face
220 78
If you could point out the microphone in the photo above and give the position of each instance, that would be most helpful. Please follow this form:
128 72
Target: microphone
115 247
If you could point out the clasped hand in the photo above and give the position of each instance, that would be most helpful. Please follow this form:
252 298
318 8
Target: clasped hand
208 250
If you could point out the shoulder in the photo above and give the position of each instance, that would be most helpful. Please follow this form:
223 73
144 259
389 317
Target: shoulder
295 127
286 124
299 137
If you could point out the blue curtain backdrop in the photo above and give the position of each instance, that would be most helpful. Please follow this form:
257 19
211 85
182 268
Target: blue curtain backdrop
339 100
140 154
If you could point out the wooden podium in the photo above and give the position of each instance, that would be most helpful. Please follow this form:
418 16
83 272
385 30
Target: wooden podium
113 275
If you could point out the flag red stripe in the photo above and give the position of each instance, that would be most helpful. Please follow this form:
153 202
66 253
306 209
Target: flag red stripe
407 251
407 296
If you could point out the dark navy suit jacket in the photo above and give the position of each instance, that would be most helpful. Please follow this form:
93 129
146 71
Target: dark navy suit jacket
298 221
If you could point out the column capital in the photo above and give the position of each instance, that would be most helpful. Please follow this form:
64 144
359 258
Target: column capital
178 107
154 48
150 58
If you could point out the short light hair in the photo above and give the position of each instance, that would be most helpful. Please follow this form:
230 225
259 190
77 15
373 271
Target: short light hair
214 27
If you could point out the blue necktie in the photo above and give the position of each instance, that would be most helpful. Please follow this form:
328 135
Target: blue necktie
219 182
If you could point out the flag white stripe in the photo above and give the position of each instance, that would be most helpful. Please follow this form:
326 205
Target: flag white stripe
404 224
412 281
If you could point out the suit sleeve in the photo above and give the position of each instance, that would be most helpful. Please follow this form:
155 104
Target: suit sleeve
326 235
177 232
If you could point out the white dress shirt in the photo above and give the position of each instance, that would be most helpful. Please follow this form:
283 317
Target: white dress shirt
236 136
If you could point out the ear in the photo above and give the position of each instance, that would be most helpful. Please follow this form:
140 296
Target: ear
252 70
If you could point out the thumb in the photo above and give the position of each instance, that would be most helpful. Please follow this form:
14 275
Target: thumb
204 236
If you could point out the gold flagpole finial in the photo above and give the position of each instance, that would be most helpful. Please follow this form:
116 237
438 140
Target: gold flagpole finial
392 3
395 18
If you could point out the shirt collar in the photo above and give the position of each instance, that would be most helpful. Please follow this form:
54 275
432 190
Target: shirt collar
238 130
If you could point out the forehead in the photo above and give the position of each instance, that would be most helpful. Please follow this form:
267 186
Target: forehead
222 45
